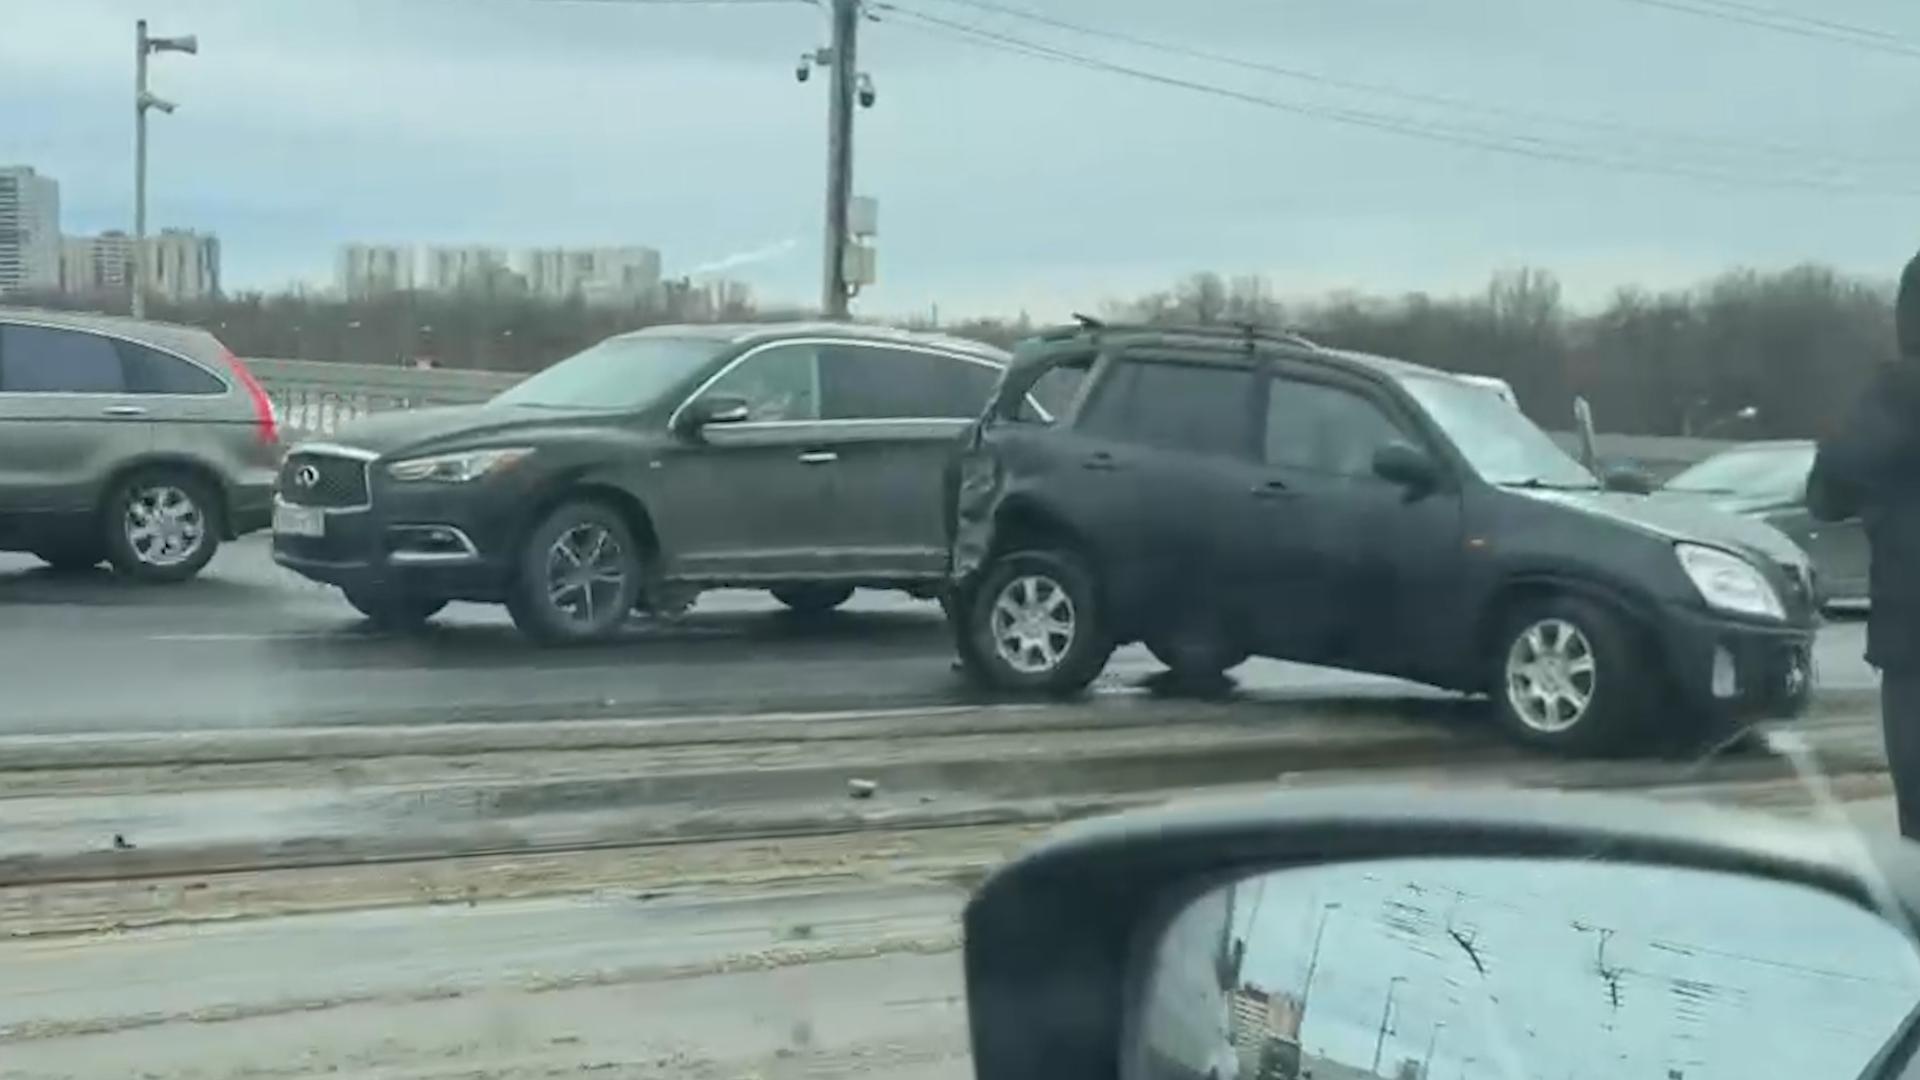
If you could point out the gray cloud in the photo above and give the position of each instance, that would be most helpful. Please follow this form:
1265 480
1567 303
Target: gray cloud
1005 181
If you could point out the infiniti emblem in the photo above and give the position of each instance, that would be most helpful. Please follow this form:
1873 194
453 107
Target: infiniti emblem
306 476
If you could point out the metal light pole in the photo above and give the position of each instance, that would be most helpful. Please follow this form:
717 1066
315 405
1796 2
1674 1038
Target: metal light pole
1386 1014
846 25
846 86
142 101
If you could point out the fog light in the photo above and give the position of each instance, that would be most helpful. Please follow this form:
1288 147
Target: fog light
1725 683
428 543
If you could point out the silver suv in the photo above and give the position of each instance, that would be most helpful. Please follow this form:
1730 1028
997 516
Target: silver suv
140 443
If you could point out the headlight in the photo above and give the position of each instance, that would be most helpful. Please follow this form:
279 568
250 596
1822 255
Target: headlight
1729 582
457 468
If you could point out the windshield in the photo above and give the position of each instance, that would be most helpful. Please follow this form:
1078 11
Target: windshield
1498 440
1757 472
619 373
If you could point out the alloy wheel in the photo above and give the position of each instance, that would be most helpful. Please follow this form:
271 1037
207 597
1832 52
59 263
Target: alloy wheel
1033 624
1551 675
164 526
586 572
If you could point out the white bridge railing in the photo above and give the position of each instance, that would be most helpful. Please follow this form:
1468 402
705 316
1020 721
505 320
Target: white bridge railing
316 397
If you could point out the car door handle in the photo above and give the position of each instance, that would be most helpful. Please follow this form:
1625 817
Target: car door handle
1273 489
1100 461
124 410
819 457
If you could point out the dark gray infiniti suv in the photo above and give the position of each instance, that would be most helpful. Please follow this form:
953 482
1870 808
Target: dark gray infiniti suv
802 458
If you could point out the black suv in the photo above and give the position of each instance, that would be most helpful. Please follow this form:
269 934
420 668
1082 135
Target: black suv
1218 494
803 458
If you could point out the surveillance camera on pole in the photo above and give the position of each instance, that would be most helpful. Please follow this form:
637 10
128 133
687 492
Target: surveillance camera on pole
143 102
866 91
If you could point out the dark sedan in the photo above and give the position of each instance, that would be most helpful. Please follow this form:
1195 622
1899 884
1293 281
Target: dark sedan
800 458
1768 481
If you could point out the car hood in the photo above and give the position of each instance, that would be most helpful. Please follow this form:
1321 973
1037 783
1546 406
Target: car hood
1693 519
422 429
1727 502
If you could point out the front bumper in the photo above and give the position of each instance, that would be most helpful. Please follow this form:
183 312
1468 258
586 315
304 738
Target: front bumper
1738 670
438 543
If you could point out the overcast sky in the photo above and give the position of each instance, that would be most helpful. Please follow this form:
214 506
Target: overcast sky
1005 181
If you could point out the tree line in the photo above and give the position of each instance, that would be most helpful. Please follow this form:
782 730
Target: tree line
1747 354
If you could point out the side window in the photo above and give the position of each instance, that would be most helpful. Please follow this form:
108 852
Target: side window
778 383
866 382
1324 428
149 371
44 360
1194 407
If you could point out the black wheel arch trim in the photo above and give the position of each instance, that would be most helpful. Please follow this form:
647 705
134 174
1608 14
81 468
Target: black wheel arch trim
584 485
1638 607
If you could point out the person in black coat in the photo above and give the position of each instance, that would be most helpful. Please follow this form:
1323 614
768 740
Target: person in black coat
1870 469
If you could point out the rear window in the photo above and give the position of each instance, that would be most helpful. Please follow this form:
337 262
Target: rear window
149 371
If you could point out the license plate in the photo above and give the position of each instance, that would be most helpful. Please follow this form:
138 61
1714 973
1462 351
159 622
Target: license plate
299 521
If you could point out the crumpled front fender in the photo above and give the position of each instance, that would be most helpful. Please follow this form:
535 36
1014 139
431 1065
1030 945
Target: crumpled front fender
979 487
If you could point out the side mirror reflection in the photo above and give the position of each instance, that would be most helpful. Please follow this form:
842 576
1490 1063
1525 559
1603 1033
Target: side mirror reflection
1464 968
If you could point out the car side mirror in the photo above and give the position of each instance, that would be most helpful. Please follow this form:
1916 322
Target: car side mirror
715 409
1407 465
1404 933
1627 478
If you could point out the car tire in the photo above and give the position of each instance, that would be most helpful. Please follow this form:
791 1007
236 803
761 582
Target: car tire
161 525
1061 650
1197 652
1567 675
577 577
813 599
392 610
71 559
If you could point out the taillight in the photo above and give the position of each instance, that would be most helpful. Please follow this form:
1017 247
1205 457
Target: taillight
264 421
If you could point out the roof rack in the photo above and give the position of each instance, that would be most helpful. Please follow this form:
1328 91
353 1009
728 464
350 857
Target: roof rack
1245 331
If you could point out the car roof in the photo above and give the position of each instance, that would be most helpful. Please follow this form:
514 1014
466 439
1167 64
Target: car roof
756 333
1227 339
173 337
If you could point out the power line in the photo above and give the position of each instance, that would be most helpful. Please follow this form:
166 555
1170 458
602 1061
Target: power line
1765 147
1787 22
1515 144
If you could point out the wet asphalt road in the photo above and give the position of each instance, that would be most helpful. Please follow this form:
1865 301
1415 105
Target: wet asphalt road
249 645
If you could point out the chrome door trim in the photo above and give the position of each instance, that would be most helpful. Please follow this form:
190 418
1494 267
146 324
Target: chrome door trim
673 420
